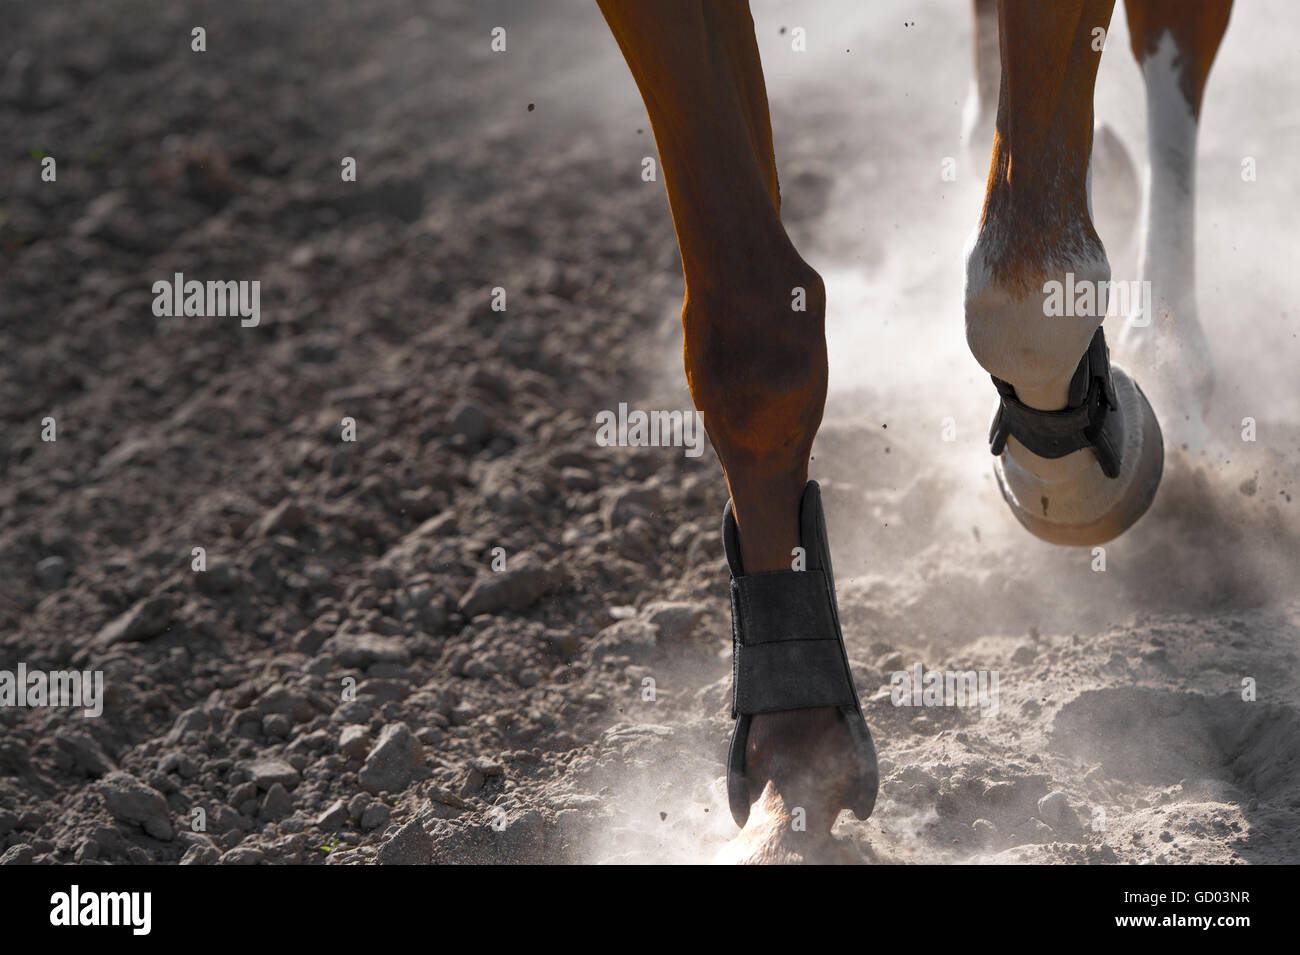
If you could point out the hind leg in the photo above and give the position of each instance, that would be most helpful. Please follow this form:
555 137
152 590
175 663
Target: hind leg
1175 44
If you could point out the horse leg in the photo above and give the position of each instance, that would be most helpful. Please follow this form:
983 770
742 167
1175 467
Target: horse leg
1115 205
756 367
1035 246
1175 44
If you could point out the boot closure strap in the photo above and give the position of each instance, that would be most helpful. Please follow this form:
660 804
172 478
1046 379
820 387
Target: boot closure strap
1089 421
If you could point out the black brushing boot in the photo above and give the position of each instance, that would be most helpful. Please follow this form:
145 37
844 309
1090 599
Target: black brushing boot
788 652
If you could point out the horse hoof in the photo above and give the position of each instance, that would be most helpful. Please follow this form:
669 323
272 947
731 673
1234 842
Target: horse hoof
1069 500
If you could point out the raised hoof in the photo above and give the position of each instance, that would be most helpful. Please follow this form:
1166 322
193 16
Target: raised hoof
1069 500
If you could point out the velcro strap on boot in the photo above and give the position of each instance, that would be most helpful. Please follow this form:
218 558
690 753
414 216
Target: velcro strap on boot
1054 434
786 647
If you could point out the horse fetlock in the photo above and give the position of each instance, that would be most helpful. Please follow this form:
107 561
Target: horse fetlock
1032 330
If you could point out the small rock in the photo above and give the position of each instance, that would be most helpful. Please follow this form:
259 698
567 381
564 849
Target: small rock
621 504
392 763
1040 832
86 754
219 578
518 587
268 771
480 771
430 735
358 804
201 855
1054 809
384 690
130 800
463 714
631 638
243 856
277 803
354 741
194 720
410 845
286 517
20 854
440 525
376 816
334 816
52 572
363 650
178 762
277 725
286 702
579 479
470 420
145 620
999 793
243 793
353 711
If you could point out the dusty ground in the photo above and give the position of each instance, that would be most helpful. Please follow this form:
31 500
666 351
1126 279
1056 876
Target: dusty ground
502 716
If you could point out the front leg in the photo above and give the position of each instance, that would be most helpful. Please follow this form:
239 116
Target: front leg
755 357
1079 452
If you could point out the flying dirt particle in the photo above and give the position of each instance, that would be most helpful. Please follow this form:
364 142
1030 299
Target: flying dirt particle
1044 507
640 131
1249 486
781 31
531 107
663 817
976 531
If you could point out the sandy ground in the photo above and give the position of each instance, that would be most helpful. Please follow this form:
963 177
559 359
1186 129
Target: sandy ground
350 680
